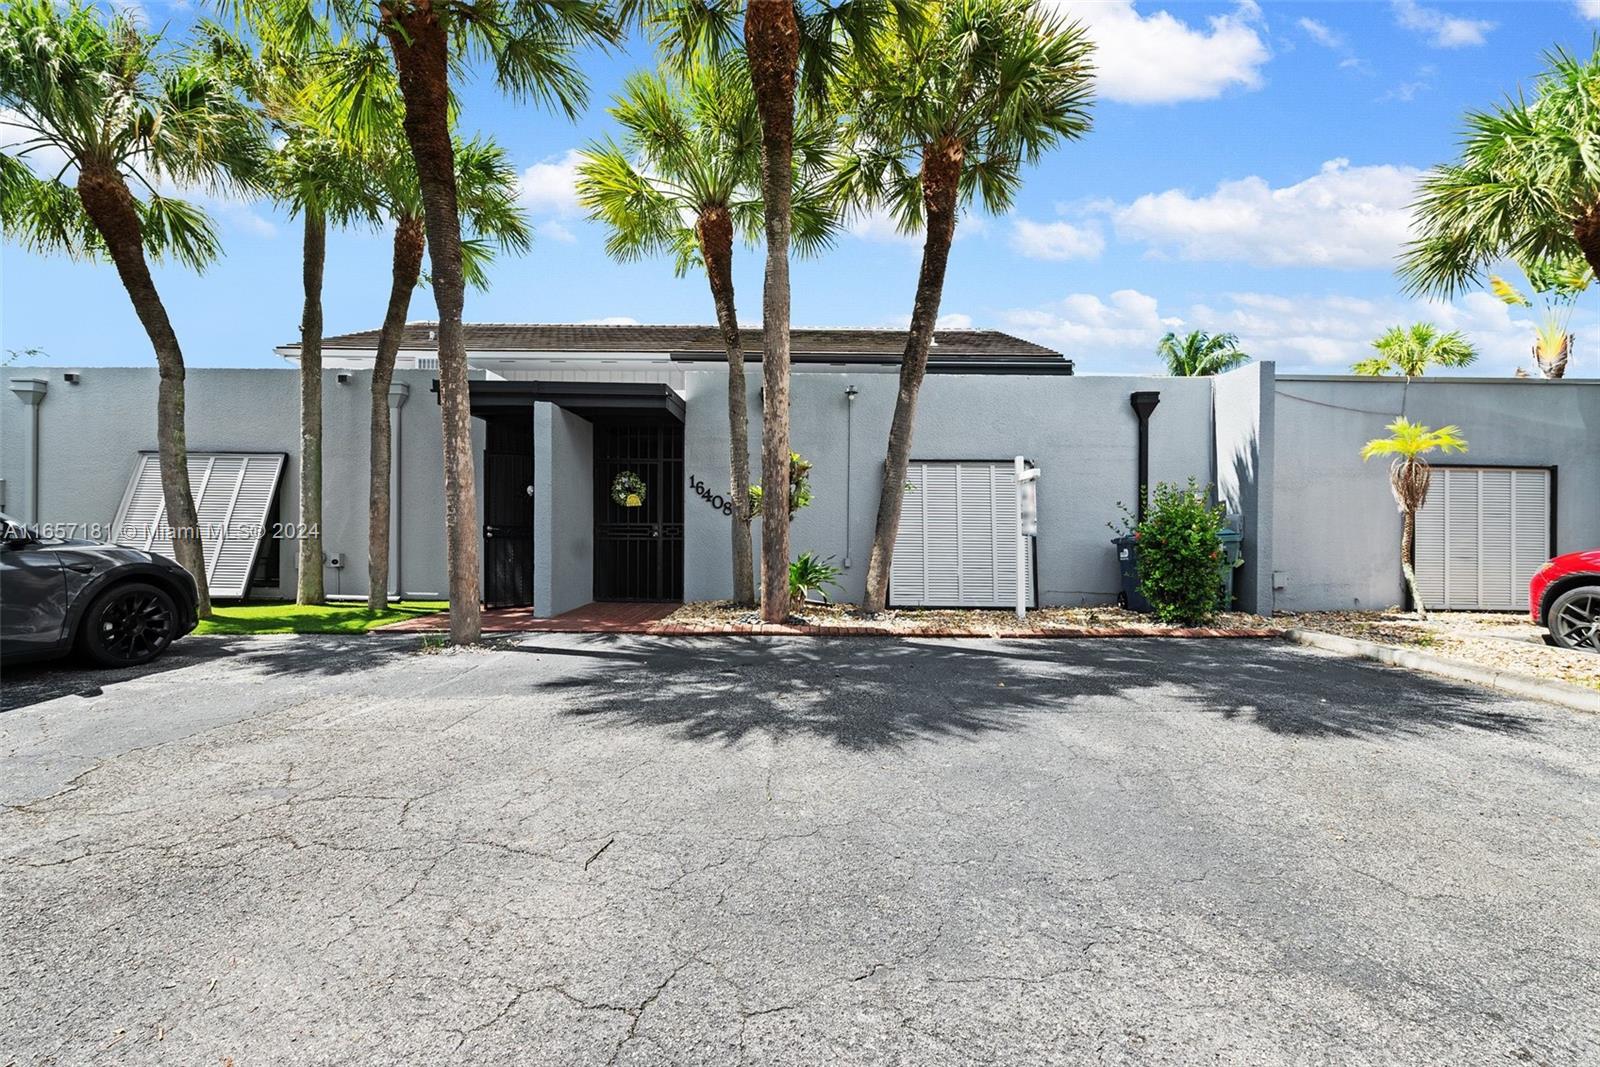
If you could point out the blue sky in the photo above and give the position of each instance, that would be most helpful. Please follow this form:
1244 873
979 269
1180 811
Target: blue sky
1249 170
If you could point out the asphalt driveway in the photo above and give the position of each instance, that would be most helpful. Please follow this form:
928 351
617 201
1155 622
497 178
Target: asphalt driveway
596 849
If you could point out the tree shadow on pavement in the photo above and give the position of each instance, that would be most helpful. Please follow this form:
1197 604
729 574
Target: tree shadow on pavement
26 684
872 693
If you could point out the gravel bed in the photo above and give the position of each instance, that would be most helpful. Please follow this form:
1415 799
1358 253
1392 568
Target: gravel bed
977 622
1507 642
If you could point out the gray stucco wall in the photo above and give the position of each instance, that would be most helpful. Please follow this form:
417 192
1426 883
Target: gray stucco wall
1336 531
563 510
91 433
1243 413
1079 430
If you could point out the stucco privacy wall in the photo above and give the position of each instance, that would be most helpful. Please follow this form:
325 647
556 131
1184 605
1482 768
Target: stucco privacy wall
1336 531
1080 431
1242 403
563 510
91 433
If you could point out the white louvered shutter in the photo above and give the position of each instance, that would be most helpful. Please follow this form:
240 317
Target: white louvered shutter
1481 535
232 494
956 544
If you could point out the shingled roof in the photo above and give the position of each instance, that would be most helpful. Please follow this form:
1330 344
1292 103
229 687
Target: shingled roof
705 342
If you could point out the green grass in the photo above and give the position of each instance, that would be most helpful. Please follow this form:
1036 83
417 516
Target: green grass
336 618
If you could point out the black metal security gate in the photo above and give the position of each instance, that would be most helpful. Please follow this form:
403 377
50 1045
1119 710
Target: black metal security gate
638 540
508 512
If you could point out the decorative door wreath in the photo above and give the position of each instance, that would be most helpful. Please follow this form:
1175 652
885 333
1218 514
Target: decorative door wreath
627 490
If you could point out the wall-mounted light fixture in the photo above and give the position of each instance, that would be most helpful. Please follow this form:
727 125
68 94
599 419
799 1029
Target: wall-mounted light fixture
343 377
851 392
72 377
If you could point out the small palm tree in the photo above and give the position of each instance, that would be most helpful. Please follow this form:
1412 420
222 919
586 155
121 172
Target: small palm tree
1411 350
1198 353
97 90
939 115
1409 475
686 180
1556 284
1525 187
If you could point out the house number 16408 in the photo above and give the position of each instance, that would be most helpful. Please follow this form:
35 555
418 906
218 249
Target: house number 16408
716 500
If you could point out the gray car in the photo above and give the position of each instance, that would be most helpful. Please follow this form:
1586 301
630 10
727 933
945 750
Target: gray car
118 607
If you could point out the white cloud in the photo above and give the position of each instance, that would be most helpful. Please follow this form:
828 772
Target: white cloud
1157 58
553 230
1441 30
551 185
1323 35
878 225
1589 9
1342 216
1319 333
1056 240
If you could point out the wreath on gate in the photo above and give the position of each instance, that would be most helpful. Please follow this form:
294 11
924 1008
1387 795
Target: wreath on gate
627 490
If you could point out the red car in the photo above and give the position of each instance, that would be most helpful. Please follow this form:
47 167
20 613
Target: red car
1564 598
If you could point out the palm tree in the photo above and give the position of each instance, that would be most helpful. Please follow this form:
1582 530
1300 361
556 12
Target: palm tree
1526 186
97 91
1198 353
1409 475
530 45
1556 284
936 117
792 54
493 222
1411 350
323 179
686 180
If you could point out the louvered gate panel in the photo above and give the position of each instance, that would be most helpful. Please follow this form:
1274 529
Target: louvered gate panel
233 492
956 545
1481 535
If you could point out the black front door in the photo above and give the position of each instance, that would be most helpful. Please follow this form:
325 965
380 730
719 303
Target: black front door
638 511
508 512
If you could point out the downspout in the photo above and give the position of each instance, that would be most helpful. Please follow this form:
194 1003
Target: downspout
398 392
850 394
1143 404
31 391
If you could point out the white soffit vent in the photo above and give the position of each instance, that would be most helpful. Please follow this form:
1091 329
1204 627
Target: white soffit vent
232 494
1481 535
957 541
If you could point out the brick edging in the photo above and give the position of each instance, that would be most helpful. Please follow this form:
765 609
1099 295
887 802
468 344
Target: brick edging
823 630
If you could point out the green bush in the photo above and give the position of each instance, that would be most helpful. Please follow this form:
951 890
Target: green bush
809 574
1180 554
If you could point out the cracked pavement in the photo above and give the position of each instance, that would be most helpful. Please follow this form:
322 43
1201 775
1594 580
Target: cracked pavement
596 849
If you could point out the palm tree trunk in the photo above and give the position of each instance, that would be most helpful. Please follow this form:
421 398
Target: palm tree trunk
421 54
772 45
714 228
110 206
1586 231
409 241
308 584
1408 538
941 180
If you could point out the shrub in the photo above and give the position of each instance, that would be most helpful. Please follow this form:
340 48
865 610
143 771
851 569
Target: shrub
809 574
1180 554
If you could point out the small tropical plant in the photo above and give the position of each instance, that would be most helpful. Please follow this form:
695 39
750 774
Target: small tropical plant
1180 554
1409 475
1556 285
811 574
799 487
1199 353
1411 350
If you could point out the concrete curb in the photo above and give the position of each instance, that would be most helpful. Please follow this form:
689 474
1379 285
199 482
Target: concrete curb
822 630
1524 685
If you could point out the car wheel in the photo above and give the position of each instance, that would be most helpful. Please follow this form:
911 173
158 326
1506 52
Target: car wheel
1574 618
129 624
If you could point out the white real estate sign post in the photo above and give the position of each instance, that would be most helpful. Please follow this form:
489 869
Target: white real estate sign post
1027 526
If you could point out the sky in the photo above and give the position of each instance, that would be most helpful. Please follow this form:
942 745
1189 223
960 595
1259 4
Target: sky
1249 170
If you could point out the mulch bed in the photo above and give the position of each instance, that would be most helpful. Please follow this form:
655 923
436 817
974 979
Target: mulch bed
704 618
